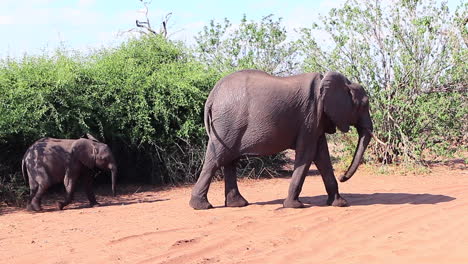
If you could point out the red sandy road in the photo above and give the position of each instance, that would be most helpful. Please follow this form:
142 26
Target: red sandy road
392 219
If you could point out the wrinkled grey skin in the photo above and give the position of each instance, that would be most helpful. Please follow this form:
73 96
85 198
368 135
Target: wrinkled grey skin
49 161
253 113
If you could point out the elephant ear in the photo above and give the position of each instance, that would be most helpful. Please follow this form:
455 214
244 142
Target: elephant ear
89 136
85 152
336 101
358 95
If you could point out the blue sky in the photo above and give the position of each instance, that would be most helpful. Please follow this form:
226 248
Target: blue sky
31 26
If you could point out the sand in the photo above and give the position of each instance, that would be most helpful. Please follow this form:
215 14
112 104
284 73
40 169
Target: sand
392 219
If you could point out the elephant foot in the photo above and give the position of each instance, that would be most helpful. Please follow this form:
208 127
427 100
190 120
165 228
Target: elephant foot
292 204
33 207
94 204
200 203
61 205
337 201
235 201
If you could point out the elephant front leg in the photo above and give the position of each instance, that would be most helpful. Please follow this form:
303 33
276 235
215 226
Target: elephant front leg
231 191
325 168
301 167
88 181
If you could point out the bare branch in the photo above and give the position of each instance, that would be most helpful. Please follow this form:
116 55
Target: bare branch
146 25
164 24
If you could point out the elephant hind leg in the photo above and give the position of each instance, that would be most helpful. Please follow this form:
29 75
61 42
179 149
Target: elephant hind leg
214 157
232 194
32 192
38 185
70 188
36 199
199 198
32 188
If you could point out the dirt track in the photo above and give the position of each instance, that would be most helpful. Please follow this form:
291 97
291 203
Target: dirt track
392 219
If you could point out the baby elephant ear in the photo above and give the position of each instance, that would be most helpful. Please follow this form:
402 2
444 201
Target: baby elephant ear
84 151
336 99
89 136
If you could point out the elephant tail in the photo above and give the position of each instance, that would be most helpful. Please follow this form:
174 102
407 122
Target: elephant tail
207 118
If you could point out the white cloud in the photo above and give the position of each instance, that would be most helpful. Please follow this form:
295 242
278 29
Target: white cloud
6 20
86 3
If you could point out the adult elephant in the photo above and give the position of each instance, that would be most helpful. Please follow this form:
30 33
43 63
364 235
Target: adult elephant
49 161
253 113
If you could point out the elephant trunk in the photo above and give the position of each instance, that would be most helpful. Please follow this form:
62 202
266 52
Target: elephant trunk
114 177
364 138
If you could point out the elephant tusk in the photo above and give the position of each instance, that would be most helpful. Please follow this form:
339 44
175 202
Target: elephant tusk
377 139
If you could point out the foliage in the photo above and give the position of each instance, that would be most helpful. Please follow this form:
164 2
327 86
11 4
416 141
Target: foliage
40 96
12 190
144 98
149 91
409 55
250 45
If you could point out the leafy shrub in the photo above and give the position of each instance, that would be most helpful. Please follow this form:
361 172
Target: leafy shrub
13 192
259 45
408 56
144 98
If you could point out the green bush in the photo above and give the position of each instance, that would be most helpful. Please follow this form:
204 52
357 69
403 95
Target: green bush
408 56
13 192
144 98
261 45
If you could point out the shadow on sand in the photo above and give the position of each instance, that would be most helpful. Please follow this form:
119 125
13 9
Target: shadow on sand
126 195
84 204
357 199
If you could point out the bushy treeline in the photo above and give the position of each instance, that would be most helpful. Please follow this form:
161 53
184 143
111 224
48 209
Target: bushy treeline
411 56
145 97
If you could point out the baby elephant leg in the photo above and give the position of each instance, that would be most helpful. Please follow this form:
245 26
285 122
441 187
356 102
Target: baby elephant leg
88 182
36 200
70 189
38 183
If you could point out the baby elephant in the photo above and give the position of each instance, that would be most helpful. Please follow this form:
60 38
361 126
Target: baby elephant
50 160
